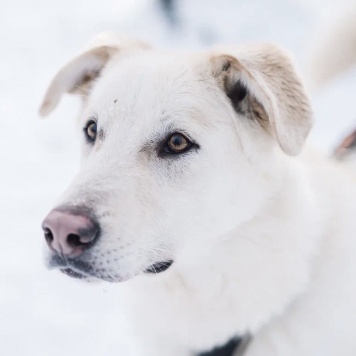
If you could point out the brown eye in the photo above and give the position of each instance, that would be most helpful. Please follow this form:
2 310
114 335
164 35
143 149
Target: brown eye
177 143
90 130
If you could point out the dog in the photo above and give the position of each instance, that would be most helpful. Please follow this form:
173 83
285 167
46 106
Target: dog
196 194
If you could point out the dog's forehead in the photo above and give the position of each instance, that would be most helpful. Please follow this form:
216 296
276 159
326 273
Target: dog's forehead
150 86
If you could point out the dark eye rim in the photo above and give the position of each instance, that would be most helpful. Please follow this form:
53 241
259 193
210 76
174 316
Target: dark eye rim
90 139
165 150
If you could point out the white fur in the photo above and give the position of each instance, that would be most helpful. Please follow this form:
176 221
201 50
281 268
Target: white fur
262 242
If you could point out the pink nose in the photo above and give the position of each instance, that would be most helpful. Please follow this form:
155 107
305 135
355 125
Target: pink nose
69 232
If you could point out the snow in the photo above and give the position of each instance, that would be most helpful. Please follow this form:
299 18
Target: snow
43 312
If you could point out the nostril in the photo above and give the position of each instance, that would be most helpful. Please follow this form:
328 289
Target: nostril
74 240
48 234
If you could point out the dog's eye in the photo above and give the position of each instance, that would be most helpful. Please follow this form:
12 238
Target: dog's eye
90 131
177 143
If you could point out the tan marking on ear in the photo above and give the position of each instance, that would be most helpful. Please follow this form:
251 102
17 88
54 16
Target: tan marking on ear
226 69
271 80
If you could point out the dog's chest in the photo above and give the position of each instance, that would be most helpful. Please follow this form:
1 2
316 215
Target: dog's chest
199 317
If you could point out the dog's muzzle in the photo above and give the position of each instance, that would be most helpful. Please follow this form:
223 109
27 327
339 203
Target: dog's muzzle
72 231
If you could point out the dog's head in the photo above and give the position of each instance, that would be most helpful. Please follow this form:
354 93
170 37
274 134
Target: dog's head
177 150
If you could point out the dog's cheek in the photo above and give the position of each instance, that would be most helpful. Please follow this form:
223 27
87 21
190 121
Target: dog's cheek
224 192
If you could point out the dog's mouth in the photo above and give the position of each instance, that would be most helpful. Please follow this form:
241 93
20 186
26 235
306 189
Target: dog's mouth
74 274
81 270
156 268
159 267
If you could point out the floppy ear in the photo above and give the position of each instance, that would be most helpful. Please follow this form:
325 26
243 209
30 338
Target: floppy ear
77 76
260 81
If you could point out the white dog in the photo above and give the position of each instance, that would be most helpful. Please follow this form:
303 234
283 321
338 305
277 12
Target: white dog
192 167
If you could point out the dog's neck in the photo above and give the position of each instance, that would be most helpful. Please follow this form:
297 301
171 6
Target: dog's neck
248 276
273 251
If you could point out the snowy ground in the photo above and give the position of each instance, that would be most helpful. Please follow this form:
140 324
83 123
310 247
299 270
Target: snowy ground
44 313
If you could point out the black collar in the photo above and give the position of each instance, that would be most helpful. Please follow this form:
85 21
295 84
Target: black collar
234 347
